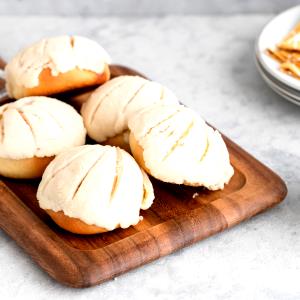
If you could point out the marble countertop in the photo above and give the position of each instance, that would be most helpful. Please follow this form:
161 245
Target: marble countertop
208 61
140 7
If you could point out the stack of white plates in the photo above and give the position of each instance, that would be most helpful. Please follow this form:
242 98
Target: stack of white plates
273 33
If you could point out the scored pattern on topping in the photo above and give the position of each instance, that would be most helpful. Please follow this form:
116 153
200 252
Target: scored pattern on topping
166 129
159 123
72 41
27 122
33 65
65 165
119 170
205 151
56 121
109 92
98 159
26 116
44 122
179 140
134 95
162 93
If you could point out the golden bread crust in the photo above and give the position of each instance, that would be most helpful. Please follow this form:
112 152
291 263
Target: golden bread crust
63 82
120 140
27 168
137 152
73 225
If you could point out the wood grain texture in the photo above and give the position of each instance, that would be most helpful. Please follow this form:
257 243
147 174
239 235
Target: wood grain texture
179 217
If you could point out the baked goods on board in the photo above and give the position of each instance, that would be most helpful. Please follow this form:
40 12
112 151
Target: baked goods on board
32 131
173 144
110 107
55 65
93 188
89 189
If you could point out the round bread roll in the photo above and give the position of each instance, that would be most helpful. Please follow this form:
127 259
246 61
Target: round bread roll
32 131
93 189
107 111
173 144
57 64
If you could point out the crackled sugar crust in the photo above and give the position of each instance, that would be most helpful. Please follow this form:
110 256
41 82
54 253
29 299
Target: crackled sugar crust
38 127
109 108
100 185
175 145
58 54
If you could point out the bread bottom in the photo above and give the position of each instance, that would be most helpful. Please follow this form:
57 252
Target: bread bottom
63 82
24 168
120 140
73 225
137 152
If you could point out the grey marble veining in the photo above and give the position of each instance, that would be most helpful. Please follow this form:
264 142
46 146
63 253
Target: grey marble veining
140 7
208 62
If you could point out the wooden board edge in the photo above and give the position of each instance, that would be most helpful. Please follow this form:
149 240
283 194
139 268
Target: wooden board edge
91 267
41 243
189 226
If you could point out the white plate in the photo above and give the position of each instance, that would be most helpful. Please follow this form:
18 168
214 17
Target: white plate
281 92
295 98
278 85
271 35
290 99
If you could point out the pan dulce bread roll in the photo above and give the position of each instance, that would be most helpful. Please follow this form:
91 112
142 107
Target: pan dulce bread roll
92 189
107 111
57 64
173 144
32 131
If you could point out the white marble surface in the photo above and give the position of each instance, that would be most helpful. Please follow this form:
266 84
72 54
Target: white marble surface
208 61
140 7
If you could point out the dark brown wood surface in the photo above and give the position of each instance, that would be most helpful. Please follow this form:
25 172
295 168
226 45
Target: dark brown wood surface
179 217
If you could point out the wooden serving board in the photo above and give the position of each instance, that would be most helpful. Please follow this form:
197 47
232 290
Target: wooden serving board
180 216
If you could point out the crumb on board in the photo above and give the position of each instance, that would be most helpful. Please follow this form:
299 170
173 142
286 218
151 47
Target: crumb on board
195 195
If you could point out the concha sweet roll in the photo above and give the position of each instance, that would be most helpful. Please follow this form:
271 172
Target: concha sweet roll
32 131
110 107
173 144
93 188
57 64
